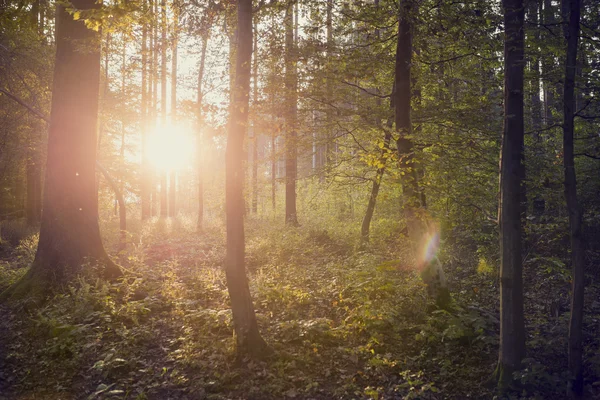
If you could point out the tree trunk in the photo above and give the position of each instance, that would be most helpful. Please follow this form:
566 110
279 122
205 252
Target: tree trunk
414 209
255 125
201 141
575 386
548 63
291 97
366 222
154 197
274 170
119 199
164 207
173 177
248 339
70 232
330 139
512 326
146 175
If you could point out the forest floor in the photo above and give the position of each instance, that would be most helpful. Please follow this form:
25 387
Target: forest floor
344 324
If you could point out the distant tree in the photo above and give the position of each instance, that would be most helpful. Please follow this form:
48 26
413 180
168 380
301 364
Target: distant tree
164 196
512 326
173 175
70 232
146 97
248 338
291 117
201 136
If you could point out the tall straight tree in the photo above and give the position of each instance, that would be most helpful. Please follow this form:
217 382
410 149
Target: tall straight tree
164 208
512 325
201 142
173 175
575 386
255 123
70 232
291 117
248 338
146 183
415 213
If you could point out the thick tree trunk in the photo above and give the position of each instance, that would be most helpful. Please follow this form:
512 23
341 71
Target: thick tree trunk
70 232
248 339
575 386
512 327
291 95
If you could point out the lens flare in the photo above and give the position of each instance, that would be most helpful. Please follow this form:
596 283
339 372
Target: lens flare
430 247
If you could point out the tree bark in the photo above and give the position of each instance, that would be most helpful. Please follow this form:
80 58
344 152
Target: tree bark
575 385
70 233
512 326
248 339
291 117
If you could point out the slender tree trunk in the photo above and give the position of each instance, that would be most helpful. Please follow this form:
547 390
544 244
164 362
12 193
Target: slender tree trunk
548 63
366 222
70 232
255 124
274 170
146 176
201 141
575 386
164 207
173 177
248 339
154 5
534 66
121 205
291 126
512 326
330 139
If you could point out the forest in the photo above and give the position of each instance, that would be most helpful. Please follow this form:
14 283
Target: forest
299 199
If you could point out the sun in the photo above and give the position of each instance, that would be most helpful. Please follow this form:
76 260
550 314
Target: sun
171 146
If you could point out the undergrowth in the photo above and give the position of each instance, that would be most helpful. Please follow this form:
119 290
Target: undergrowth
343 323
